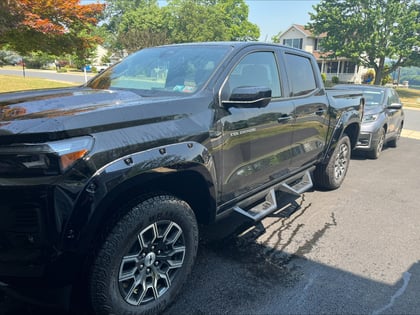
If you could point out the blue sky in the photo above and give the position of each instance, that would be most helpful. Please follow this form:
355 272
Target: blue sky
271 16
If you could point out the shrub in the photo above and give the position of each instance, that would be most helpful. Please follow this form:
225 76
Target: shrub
324 77
335 80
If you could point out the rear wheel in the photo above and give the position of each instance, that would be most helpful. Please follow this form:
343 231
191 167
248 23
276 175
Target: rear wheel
378 145
145 259
332 174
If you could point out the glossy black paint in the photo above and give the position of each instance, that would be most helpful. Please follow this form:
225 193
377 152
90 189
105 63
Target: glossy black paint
197 146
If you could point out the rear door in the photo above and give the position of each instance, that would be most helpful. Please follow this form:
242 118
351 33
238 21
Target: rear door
394 115
311 110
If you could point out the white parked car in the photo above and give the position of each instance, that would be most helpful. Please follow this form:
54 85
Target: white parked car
103 66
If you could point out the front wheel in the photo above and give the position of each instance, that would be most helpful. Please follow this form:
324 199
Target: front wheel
378 145
332 174
145 259
393 143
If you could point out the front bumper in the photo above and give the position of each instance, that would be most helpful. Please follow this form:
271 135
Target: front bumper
30 238
23 231
365 141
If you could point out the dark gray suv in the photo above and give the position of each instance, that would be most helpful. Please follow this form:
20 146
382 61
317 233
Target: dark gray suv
383 118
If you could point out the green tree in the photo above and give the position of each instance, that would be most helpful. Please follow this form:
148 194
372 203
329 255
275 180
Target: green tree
209 20
276 38
142 27
369 32
134 24
235 18
195 21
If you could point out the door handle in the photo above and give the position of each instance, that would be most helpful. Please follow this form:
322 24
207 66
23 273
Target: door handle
284 118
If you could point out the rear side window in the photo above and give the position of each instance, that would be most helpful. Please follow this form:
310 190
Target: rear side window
301 75
393 98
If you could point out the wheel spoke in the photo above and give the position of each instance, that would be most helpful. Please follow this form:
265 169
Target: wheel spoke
160 288
128 274
176 263
148 235
134 291
172 234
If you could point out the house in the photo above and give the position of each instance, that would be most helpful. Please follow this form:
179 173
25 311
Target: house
346 70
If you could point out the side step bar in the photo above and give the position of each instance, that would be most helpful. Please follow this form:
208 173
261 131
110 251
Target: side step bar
279 197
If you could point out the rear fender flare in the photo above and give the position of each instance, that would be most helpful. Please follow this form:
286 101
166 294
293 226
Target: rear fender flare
349 123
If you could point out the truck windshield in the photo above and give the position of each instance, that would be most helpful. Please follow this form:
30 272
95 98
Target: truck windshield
163 70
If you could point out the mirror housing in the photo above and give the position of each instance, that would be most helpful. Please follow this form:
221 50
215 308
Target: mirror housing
395 106
249 97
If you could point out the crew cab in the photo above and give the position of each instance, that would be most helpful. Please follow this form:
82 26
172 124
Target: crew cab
104 186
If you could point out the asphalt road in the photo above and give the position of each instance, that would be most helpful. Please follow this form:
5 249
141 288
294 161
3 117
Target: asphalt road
354 250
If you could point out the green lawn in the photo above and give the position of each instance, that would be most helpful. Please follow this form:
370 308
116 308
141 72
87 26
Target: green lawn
409 97
10 83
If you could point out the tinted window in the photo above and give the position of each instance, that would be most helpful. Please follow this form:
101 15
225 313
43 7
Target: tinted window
301 75
256 69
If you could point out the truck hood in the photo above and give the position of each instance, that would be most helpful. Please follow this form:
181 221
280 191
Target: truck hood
59 113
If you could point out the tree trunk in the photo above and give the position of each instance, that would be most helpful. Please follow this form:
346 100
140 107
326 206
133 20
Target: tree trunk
379 71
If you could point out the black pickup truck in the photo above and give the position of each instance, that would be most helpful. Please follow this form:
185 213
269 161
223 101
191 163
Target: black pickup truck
106 186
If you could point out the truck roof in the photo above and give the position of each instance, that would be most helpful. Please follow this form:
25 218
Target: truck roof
235 44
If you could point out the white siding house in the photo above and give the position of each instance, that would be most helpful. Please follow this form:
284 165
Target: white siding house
346 70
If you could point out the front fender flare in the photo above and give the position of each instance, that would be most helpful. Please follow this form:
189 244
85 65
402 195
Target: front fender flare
143 166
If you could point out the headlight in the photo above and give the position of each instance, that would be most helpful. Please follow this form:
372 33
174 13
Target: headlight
370 118
50 158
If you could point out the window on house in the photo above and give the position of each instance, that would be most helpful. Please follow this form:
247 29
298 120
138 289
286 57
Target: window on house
331 67
320 66
349 67
293 42
318 44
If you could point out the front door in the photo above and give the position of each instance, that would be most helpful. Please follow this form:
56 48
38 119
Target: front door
256 141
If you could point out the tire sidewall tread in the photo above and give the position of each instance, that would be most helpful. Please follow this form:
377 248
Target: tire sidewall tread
324 174
105 296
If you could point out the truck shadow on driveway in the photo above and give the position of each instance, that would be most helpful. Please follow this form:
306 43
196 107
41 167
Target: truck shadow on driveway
246 275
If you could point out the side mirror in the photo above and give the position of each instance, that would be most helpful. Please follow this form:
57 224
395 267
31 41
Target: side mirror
395 106
249 97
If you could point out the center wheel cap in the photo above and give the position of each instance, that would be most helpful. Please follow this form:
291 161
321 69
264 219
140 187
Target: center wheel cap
150 259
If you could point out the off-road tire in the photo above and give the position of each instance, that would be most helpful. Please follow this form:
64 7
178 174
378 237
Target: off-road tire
150 250
330 175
